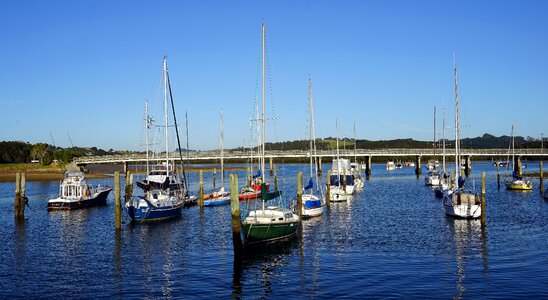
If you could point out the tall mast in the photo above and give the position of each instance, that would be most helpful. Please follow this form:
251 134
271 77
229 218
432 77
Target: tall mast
311 123
513 150
443 112
165 111
355 160
338 161
263 108
222 153
434 134
457 158
147 126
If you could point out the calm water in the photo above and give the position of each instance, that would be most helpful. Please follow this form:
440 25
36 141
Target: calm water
392 240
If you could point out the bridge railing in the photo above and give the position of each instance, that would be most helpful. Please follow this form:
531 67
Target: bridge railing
388 152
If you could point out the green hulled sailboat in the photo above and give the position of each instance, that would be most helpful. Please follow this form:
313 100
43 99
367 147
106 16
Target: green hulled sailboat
271 222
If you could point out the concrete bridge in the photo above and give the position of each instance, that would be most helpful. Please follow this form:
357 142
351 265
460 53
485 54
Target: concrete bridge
361 154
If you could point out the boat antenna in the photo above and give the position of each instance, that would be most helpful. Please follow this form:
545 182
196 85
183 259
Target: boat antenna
177 133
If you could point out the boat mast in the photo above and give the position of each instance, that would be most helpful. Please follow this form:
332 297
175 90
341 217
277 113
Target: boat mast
165 111
434 136
355 159
222 154
513 150
311 122
263 108
457 158
338 161
147 126
443 112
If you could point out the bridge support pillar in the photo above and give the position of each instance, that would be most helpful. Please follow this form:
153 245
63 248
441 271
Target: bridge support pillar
467 165
418 165
368 167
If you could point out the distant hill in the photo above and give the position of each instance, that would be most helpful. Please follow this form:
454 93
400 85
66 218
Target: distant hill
487 141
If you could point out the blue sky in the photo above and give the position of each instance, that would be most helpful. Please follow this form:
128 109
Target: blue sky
86 67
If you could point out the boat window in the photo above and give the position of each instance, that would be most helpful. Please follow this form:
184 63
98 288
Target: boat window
287 215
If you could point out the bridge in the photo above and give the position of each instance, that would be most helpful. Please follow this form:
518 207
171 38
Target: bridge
361 154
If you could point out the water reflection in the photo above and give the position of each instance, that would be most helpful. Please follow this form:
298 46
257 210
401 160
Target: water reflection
267 261
469 242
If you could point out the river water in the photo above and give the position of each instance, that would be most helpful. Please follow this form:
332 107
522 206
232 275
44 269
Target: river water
392 240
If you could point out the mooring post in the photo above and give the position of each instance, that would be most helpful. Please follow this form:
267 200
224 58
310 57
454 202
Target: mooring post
418 165
275 179
360 171
498 176
328 191
19 203
117 202
214 177
483 199
368 167
320 166
344 179
201 188
541 177
129 187
248 176
125 167
518 165
300 194
271 166
467 167
235 212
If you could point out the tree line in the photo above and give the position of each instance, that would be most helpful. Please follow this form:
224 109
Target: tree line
23 152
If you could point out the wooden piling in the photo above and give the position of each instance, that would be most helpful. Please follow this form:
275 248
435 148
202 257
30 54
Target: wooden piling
300 194
344 179
125 167
328 192
248 176
359 171
201 188
541 177
498 176
418 165
270 166
129 187
275 179
117 202
20 199
467 166
214 177
483 199
319 166
235 212
518 166
368 167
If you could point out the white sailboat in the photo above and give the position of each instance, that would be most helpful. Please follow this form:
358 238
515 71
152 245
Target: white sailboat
358 182
219 196
164 189
313 200
444 177
516 181
459 202
341 183
272 222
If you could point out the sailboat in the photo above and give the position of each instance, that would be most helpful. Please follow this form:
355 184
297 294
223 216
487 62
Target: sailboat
272 222
164 189
341 183
433 176
459 202
516 182
444 177
313 205
220 196
358 182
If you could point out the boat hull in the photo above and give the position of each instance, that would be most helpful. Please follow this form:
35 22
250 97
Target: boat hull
256 233
462 205
100 198
312 206
217 201
519 186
